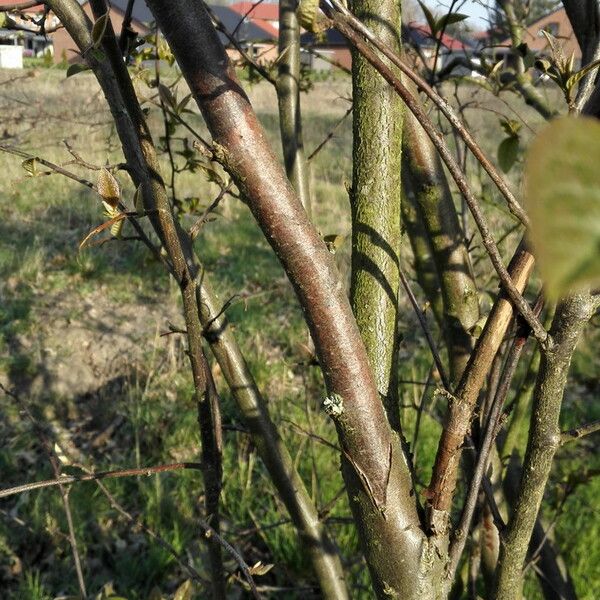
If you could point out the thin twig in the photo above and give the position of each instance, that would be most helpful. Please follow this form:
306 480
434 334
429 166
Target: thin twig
491 429
55 463
425 327
19 6
151 533
210 532
70 479
197 226
577 433
329 135
56 168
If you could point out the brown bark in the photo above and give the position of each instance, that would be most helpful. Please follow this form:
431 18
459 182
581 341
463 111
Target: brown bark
458 420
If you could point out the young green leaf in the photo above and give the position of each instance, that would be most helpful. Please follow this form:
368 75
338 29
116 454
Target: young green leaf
334 242
508 151
99 29
138 200
431 21
76 68
30 165
108 188
166 95
449 19
562 197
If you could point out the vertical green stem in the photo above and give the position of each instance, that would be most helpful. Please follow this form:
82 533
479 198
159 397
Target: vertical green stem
544 438
440 220
375 200
288 96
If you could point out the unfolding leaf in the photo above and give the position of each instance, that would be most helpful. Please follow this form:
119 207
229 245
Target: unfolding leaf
108 188
562 196
166 95
431 21
184 102
184 591
76 68
576 77
30 165
508 151
449 19
259 569
117 227
334 242
510 126
99 29
101 228
138 200
62 457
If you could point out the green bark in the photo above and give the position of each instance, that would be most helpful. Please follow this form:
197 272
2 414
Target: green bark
375 201
440 220
544 438
423 264
288 96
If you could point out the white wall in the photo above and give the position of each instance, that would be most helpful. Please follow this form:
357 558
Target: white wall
11 57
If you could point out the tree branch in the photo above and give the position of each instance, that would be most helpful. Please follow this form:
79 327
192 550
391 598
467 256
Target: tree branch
343 15
456 172
288 96
544 438
458 419
577 433
438 213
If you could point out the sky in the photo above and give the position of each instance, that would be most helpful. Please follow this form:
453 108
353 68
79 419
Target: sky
474 8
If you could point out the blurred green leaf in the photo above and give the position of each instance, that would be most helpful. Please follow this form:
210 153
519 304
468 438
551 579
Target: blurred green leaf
508 151
184 591
99 29
430 18
449 19
76 68
562 196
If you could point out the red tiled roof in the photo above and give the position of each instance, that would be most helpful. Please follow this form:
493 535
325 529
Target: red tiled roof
37 8
263 11
447 40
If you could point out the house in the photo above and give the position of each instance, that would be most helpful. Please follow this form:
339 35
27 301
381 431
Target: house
322 51
433 49
21 32
558 25
256 37
64 46
263 14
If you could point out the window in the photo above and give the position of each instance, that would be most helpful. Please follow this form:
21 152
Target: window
551 28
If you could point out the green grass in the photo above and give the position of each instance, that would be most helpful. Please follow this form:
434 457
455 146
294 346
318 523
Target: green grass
137 408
